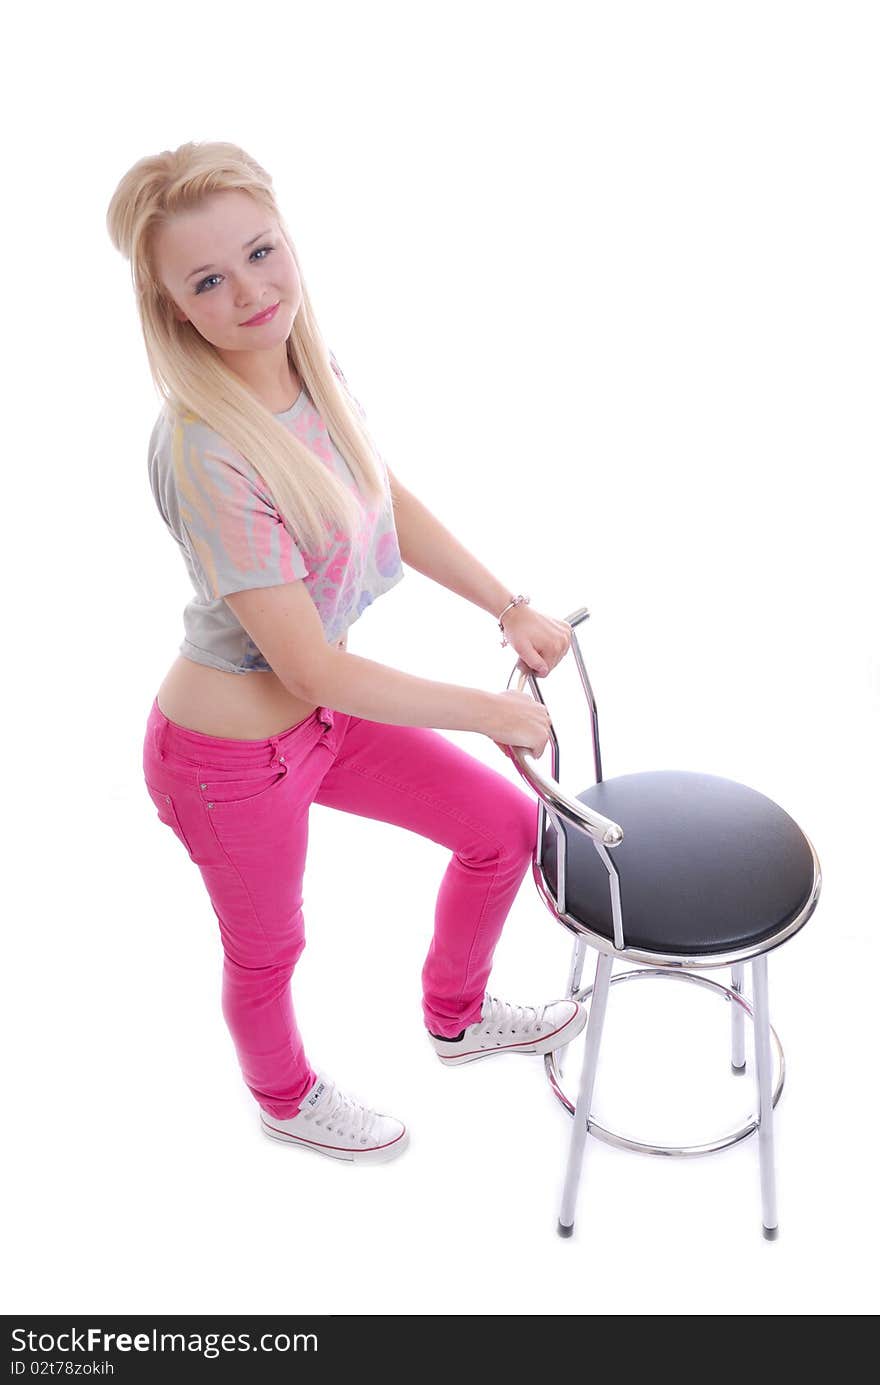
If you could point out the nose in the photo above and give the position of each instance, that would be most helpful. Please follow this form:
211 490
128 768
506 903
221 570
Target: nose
249 296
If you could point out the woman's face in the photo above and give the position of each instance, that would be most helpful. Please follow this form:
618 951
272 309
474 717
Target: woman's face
225 262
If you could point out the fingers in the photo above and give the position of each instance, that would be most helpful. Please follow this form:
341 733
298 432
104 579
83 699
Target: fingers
542 661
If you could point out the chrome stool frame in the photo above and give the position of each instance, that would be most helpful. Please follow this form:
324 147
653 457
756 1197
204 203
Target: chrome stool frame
554 1070
605 835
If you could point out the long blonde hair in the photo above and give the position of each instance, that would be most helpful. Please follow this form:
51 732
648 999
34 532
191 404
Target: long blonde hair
192 378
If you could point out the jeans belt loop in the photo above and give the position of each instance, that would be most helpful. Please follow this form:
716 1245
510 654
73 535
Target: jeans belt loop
159 739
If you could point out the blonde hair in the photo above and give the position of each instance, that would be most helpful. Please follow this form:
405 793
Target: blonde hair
192 378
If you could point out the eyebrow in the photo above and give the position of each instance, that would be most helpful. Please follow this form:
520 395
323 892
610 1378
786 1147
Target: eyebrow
203 267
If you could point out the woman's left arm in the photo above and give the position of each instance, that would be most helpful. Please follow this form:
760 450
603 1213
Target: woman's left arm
426 545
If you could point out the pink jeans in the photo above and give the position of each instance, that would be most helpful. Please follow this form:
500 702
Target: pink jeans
241 810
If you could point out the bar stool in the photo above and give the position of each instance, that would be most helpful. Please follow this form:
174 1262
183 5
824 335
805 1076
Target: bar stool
712 874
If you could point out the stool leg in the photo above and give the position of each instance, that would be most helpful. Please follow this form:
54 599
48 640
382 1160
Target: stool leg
765 1098
575 973
737 1023
585 1093
576 969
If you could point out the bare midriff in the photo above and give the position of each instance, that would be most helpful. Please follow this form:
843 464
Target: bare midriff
237 706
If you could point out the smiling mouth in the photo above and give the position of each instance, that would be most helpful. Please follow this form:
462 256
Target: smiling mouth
258 317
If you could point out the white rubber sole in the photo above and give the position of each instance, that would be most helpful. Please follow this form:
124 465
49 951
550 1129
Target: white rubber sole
381 1155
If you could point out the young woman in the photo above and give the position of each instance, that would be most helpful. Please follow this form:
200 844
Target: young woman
290 524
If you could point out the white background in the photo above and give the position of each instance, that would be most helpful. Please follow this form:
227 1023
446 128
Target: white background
604 277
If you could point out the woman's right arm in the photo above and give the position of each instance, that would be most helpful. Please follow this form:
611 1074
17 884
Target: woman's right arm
380 693
285 626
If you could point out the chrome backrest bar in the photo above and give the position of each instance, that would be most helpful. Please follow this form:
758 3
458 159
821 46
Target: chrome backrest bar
573 620
595 825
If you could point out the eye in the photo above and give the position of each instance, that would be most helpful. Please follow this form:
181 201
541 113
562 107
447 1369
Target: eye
261 250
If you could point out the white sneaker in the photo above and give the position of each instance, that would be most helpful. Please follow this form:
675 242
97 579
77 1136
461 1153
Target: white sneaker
506 1028
332 1123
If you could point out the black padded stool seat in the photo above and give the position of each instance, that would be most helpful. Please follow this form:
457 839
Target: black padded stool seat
706 865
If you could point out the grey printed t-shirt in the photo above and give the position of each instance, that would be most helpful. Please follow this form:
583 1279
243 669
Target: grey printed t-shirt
232 537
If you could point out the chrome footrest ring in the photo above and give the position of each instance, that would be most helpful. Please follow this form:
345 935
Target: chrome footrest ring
611 1137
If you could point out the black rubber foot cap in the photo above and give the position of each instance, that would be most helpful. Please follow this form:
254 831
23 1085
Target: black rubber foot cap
565 1230
737 1072
771 1233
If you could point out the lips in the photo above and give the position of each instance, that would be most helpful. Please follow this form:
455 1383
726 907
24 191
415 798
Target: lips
261 317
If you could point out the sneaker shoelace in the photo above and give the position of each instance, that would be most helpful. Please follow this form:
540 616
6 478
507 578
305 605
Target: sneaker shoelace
501 1015
341 1114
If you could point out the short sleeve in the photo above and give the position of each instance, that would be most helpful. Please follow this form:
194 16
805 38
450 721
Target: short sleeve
233 526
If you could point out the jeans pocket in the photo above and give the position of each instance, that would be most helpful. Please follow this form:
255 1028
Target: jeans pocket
164 805
224 791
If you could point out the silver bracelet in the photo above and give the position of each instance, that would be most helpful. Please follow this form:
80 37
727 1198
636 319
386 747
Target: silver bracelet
517 601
